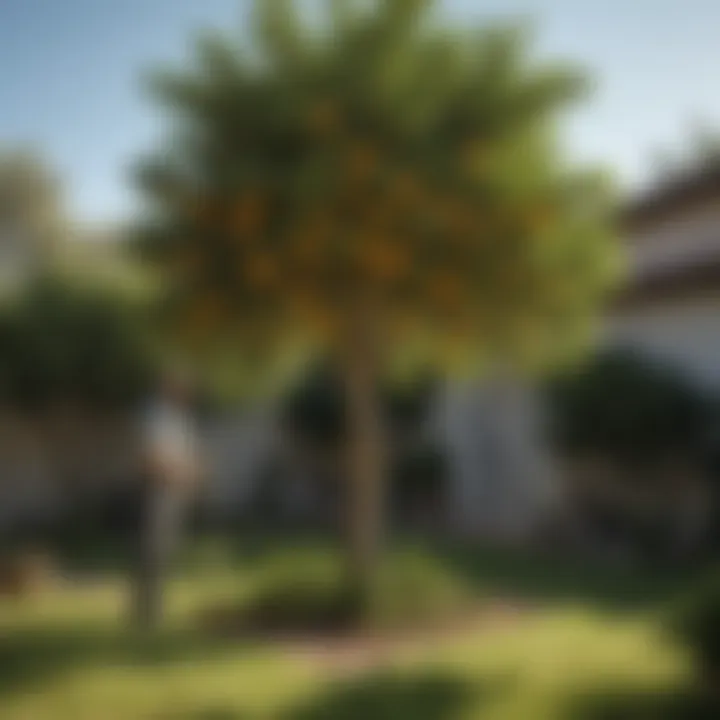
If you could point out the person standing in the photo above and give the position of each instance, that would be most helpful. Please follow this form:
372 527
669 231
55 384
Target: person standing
170 473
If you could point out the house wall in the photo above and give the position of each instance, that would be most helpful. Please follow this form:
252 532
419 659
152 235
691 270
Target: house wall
688 236
503 478
44 465
680 328
237 450
684 333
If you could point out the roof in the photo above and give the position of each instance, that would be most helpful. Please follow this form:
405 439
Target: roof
695 186
694 266
685 282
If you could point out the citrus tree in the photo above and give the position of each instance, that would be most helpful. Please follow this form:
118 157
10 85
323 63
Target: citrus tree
382 189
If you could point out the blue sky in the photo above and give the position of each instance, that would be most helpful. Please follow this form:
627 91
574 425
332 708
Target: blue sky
70 78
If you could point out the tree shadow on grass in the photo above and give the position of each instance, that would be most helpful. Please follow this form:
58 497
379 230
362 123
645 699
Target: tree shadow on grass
542 577
667 704
210 714
31 657
427 696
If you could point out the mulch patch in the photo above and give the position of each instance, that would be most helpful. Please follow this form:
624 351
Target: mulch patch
345 650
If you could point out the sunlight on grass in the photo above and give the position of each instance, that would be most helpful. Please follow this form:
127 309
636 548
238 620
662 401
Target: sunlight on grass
68 655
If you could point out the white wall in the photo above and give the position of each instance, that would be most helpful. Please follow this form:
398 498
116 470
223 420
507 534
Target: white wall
502 475
684 333
237 449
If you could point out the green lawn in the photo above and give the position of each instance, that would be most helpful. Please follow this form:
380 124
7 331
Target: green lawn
68 655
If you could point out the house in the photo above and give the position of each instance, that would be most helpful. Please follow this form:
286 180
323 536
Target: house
670 309
504 481
668 312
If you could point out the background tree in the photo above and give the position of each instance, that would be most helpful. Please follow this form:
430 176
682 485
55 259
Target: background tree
73 345
640 442
39 239
31 217
383 189
629 410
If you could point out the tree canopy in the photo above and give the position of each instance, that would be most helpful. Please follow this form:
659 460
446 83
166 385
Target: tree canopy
375 173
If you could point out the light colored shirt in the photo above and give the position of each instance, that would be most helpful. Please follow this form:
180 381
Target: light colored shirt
170 443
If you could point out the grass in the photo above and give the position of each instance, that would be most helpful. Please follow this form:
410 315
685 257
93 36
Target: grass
308 592
68 655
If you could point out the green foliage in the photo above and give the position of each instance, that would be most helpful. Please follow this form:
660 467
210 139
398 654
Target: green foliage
379 155
401 696
68 655
422 472
66 343
309 593
696 622
383 190
414 588
626 408
315 408
301 594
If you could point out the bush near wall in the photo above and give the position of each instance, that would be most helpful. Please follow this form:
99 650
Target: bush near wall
625 407
644 428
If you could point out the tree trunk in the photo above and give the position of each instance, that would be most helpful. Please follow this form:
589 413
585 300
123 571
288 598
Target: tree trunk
163 509
366 461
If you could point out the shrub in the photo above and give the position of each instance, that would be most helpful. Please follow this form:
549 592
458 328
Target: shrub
421 474
696 622
414 588
635 422
300 594
308 594
61 341
628 409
